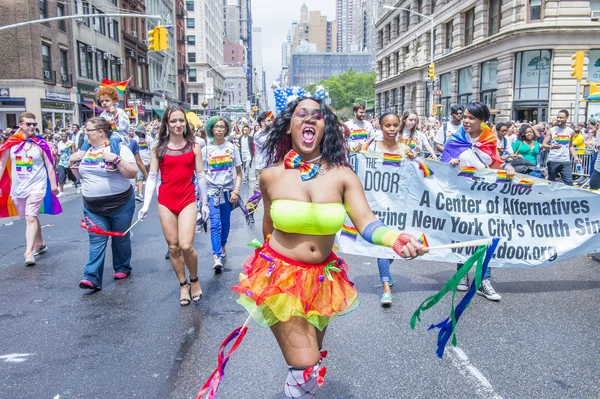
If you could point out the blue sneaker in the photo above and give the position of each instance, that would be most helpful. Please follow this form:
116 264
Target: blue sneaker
386 300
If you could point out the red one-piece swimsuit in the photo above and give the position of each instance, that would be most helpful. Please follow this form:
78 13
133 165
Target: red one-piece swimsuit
177 173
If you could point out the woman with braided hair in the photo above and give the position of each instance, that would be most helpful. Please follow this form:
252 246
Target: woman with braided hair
294 283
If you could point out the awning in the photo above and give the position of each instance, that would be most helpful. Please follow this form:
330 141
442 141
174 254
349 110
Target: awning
88 105
193 119
159 112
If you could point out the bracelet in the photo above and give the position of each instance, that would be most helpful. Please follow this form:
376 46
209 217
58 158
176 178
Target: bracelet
117 160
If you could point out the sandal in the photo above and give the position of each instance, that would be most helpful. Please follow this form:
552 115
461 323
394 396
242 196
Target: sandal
197 297
185 301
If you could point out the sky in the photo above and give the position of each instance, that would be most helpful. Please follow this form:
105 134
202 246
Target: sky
275 18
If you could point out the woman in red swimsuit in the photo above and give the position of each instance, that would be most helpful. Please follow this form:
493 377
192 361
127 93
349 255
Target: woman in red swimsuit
179 161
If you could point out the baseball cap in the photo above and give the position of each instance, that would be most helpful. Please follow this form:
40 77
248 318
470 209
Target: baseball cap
455 108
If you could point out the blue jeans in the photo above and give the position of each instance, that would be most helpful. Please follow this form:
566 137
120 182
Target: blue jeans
115 144
384 269
220 223
118 220
488 272
565 169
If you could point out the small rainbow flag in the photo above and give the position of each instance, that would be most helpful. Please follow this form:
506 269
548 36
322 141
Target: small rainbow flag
426 170
527 184
120 86
467 171
391 159
562 140
252 119
270 115
423 240
350 232
501 177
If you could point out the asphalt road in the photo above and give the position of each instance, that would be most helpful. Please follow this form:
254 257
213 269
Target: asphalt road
133 340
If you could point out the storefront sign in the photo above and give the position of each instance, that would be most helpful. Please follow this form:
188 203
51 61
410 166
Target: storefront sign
594 66
55 95
67 106
4 92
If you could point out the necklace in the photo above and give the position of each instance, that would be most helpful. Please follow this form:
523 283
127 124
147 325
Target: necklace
321 171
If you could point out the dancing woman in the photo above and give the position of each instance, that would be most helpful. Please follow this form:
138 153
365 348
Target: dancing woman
179 160
294 283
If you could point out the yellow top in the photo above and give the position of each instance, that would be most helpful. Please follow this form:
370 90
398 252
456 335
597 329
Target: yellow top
579 144
299 217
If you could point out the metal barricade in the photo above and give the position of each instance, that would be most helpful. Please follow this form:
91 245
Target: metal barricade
586 163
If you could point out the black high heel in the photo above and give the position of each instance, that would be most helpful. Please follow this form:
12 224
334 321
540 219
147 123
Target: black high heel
197 297
185 301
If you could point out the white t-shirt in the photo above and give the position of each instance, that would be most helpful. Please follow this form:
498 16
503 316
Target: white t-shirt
450 130
474 156
145 146
219 163
28 171
360 133
562 137
119 123
96 181
417 141
261 158
200 141
245 148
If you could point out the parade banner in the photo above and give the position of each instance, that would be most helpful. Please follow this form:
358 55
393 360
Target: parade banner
539 223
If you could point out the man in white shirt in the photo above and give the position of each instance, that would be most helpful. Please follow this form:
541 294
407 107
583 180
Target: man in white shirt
261 158
448 128
360 129
559 143
247 152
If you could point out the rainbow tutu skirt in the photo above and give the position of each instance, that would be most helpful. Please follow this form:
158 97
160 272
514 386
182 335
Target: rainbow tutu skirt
274 288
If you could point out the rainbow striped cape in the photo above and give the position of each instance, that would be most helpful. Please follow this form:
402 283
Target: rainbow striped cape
51 205
459 142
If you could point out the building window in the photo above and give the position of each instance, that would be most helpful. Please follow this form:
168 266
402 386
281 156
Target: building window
465 85
405 20
64 63
43 9
46 58
192 75
191 40
449 34
419 9
402 94
433 6
532 75
86 11
494 16
446 88
535 10
60 12
189 5
394 108
195 98
114 32
191 23
469 26
191 57
489 83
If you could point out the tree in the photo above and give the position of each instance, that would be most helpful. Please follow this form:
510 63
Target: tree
345 89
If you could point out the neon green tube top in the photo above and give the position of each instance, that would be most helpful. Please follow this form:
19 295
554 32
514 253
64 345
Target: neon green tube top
299 217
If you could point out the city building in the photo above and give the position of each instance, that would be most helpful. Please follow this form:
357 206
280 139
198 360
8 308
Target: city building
313 30
257 63
163 64
205 56
514 56
37 64
233 54
236 88
181 61
135 53
307 68
349 19
238 29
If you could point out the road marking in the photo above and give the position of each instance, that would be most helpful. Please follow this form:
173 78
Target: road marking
461 361
15 357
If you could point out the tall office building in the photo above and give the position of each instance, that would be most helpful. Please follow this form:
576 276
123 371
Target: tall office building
257 63
349 19
238 30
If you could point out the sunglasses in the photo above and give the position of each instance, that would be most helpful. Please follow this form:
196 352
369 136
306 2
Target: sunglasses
30 124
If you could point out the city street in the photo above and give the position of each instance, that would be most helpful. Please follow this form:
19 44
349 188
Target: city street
133 340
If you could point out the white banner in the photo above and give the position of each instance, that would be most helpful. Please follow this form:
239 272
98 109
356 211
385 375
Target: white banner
209 88
549 223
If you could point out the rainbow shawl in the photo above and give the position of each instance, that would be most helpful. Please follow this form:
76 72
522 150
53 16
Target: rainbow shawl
459 142
51 205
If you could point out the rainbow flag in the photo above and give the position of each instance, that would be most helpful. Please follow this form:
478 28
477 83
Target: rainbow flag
423 240
426 170
220 163
391 159
501 177
459 142
527 184
562 140
270 115
120 86
252 119
51 205
467 171
350 232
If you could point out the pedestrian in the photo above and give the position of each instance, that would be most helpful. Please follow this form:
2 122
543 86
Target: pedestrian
411 135
144 144
526 147
65 150
294 283
221 157
247 152
260 158
559 143
30 184
108 201
361 130
178 159
390 127
475 144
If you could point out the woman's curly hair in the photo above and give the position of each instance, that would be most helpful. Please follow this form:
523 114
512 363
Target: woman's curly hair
333 147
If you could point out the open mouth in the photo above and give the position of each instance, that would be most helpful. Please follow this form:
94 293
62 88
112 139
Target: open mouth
308 134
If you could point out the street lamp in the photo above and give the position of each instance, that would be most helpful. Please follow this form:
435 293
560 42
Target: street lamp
366 101
431 45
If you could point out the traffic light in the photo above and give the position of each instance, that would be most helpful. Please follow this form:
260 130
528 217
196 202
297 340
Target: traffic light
577 65
153 39
431 71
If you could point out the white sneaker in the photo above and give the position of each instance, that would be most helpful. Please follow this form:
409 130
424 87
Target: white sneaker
486 290
29 260
463 284
60 195
218 266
